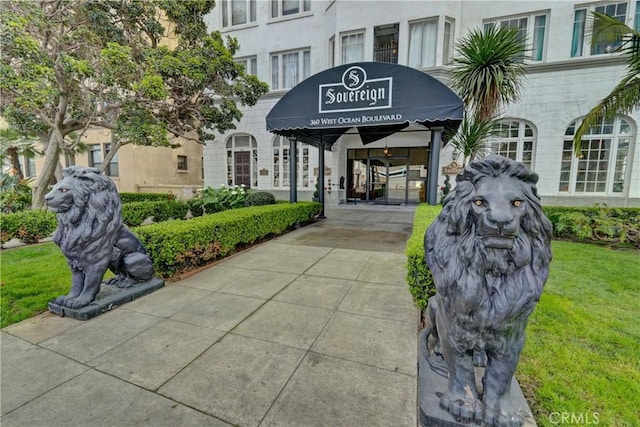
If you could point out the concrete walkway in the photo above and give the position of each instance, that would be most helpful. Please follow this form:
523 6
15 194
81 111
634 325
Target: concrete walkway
314 328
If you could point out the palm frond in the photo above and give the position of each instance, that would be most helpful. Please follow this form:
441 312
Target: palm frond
472 135
608 28
487 72
623 99
625 96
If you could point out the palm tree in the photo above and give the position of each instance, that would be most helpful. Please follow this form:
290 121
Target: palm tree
625 96
486 75
470 139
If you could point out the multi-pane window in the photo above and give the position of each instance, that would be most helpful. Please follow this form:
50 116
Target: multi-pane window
513 139
242 143
422 43
97 153
603 163
182 163
290 68
289 7
583 29
352 47
250 64
238 12
281 159
532 29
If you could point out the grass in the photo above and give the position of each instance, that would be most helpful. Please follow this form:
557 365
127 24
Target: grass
582 352
30 276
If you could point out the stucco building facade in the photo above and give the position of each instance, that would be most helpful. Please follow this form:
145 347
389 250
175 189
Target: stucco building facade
284 42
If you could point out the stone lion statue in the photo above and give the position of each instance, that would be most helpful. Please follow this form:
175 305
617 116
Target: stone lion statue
489 254
92 236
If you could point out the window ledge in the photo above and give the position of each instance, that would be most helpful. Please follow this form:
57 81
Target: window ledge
238 27
289 17
577 63
182 171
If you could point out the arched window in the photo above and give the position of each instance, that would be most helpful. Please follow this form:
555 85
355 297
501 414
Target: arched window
281 166
513 139
242 160
603 163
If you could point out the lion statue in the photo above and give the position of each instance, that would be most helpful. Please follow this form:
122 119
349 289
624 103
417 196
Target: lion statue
92 236
489 254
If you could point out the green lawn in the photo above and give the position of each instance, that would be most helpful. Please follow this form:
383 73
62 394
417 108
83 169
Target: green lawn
582 353
30 276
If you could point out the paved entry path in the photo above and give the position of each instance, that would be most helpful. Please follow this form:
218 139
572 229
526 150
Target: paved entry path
314 328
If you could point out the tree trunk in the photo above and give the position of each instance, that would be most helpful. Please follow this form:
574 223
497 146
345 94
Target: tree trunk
15 162
51 156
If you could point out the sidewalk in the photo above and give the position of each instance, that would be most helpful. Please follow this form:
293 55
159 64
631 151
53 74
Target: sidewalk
314 328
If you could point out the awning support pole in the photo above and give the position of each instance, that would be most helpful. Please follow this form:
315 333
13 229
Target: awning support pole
293 167
321 178
434 164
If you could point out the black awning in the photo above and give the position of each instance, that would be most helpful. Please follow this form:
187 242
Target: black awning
378 99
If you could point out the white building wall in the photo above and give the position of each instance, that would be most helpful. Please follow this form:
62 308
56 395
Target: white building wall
556 91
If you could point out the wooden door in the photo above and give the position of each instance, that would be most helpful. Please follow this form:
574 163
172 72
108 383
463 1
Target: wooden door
242 167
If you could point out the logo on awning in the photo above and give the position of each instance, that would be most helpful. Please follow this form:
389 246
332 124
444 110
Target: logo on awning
355 93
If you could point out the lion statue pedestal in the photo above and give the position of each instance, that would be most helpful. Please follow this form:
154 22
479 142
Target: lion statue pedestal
93 238
489 253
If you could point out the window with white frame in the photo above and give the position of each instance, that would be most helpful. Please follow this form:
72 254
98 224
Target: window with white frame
447 43
583 28
290 68
238 12
289 7
422 43
352 47
250 64
247 144
603 163
280 165
532 29
95 155
514 139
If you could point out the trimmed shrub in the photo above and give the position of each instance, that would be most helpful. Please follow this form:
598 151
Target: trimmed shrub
210 200
146 197
260 198
419 276
179 246
28 226
597 223
134 213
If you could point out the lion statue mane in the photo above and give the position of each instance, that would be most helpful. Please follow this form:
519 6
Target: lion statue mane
489 254
92 236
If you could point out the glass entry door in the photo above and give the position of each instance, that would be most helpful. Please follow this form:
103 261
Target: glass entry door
386 176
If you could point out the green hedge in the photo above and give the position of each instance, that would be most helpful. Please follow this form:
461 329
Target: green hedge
179 246
418 275
134 213
596 224
28 226
146 197
31 226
